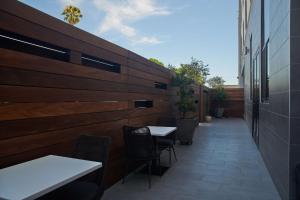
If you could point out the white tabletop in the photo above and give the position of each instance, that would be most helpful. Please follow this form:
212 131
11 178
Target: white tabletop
37 177
161 131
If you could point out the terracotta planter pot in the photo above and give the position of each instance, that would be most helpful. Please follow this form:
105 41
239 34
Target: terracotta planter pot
185 131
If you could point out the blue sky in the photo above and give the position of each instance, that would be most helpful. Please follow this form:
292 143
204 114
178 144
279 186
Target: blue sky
172 31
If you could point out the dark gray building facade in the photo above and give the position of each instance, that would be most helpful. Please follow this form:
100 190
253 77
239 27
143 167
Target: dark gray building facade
269 67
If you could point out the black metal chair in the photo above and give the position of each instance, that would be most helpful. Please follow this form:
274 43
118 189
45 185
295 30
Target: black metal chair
140 147
90 187
168 142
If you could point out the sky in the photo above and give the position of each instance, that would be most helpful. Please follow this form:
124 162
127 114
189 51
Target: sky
172 31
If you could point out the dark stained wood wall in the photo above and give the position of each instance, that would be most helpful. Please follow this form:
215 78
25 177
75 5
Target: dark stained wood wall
234 103
45 104
203 102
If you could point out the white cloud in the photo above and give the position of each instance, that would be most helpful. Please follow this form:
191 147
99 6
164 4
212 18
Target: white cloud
120 14
71 2
148 40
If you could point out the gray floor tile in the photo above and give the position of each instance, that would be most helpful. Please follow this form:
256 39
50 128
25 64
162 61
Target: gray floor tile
223 163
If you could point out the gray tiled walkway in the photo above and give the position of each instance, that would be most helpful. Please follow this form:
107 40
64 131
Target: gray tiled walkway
222 164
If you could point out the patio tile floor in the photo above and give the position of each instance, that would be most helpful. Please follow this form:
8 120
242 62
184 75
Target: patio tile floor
222 164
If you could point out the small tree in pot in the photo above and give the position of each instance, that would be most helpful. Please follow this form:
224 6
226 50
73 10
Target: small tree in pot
185 76
217 84
186 97
220 98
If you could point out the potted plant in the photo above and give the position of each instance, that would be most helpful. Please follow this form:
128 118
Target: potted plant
185 105
185 77
220 97
217 85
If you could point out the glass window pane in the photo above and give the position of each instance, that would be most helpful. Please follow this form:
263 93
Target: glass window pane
266 20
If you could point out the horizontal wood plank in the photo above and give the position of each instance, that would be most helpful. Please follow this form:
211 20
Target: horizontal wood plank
25 61
38 110
145 75
29 142
10 76
62 149
21 127
21 94
146 68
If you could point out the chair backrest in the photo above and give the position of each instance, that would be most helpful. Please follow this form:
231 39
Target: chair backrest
93 148
167 121
139 142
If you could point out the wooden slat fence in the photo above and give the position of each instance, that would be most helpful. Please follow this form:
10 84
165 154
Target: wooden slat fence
46 103
234 103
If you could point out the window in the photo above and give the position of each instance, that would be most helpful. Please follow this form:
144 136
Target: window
246 12
266 20
265 70
265 73
243 33
251 70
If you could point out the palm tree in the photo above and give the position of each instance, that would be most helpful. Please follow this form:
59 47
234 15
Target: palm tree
72 14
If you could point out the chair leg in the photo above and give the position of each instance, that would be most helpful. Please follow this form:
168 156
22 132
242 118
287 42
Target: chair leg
149 173
159 166
170 157
125 170
174 153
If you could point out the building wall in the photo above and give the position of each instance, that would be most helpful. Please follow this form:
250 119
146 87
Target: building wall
295 92
274 116
244 7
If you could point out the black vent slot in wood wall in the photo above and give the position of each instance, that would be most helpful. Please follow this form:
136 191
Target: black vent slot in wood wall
143 104
160 85
16 42
100 63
